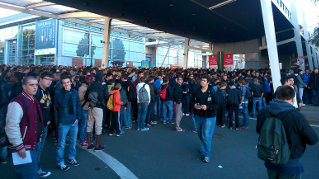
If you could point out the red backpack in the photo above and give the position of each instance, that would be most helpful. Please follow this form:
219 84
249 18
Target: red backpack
163 93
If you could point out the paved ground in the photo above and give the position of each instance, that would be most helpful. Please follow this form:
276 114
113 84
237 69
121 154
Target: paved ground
164 153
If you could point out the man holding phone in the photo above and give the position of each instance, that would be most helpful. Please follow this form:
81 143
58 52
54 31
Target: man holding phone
205 104
67 103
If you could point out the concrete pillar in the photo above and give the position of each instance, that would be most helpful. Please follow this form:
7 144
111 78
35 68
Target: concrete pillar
269 27
294 20
106 44
186 50
314 57
306 35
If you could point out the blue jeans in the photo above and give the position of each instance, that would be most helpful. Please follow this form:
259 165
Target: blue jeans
255 101
40 146
315 97
30 170
206 127
142 111
168 105
82 126
123 117
3 153
245 114
63 131
128 119
158 107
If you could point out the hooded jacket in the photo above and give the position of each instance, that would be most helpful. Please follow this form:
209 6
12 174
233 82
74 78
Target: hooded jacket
116 100
298 132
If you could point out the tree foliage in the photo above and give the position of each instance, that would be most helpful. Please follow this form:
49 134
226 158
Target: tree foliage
314 39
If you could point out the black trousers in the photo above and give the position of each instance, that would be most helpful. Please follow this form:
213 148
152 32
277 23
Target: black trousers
150 113
231 110
221 114
115 122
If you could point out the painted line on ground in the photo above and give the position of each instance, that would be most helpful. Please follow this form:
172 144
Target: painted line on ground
120 169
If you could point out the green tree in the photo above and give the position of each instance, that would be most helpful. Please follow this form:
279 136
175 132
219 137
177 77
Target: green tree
83 47
314 39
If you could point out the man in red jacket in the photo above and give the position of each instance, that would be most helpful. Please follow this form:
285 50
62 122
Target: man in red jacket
24 127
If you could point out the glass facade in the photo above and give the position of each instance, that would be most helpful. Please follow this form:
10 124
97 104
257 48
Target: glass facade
27 45
78 44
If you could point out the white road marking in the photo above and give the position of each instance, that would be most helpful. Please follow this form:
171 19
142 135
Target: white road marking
114 164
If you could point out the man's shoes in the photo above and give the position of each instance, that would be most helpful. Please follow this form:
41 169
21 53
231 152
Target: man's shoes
84 144
223 126
148 125
90 147
186 114
117 135
179 130
194 131
64 167
98 148
111 134
153 122
303 104
206 159
44 174
145 129
73 162
171 122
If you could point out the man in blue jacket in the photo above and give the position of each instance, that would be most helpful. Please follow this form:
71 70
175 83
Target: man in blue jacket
298 132
67 103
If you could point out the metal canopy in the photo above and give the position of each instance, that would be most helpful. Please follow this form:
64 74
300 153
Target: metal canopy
213 21
52 10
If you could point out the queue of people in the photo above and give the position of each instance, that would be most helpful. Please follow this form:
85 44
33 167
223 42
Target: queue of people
85 102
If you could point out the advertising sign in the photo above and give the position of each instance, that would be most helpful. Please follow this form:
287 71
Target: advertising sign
45 37
145 64
300 60
228 61
213 61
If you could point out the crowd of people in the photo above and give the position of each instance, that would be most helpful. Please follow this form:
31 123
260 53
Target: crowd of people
79 104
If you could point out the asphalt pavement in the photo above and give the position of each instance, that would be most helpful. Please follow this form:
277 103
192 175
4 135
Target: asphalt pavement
164 153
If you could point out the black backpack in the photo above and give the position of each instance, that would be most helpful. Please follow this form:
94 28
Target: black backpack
3 136
131 93
233 97
272 145
248 94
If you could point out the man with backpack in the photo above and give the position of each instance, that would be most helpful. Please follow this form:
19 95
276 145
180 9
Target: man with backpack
166 95
95 97
233 101
258 93
24 127
222 95
178 102
245 96
282 152
143 100
205 111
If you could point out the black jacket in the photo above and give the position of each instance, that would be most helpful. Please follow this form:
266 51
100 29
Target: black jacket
209 99
153 91
257 90
178 97
298 131
169 92
45 100
314 81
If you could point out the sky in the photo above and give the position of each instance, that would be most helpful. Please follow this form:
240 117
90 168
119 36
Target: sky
306 6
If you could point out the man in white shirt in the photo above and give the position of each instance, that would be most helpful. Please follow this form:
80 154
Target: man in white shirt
143 100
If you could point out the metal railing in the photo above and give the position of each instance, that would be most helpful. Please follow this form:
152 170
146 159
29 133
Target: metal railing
283 8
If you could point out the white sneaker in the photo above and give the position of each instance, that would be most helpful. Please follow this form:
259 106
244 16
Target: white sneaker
303 105
187 114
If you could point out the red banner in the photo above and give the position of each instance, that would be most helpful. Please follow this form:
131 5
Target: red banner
228 59
212 60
